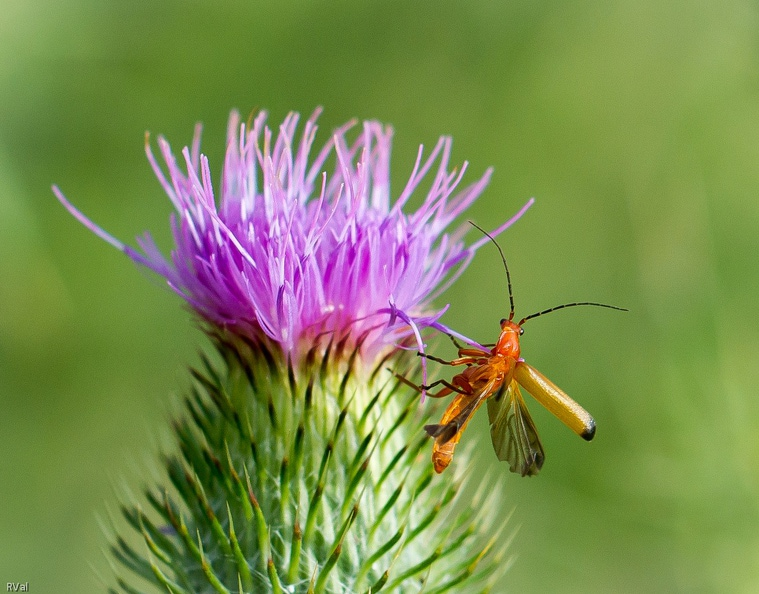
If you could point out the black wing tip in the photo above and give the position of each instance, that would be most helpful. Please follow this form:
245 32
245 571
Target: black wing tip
539 459
590 431
442 433
433 430
533 465
530 466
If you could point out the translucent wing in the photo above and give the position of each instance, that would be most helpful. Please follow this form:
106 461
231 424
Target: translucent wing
458 414
515 439
448 433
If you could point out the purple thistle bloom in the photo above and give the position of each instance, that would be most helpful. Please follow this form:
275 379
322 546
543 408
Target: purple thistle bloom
293 253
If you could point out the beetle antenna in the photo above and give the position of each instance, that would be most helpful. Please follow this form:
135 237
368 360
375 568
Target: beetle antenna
549 310
506 266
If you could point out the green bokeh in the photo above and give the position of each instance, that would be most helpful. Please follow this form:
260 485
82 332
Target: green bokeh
634 124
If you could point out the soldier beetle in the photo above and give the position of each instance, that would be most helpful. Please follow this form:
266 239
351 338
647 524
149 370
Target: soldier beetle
495 376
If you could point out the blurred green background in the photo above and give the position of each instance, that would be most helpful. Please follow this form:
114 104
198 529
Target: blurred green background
634 124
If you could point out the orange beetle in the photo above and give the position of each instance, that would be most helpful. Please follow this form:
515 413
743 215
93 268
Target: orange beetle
495 375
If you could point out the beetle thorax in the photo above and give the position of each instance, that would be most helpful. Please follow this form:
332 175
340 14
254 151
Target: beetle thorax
508 341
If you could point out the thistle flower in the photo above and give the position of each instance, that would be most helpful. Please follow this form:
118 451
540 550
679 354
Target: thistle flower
302 464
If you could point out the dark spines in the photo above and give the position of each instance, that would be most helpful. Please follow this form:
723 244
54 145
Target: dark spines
311 355
284 489
381 551
172 513
377 520
198 416
326 358
297 455
350 368
271 571
342 343
295 550
382 364
200 404
124 586
404 453
291 379
316 498
343 385
361 425
379 584
170 586
157 504
217 471
209 515
308 396
149 533
261 526
211 574
176 473
262 348
398 422
466 571
400 454
188 541
336 550
339 424
418 569
254 453
356 471
357 458
429 518
355 481
241 563
131 559
272 411
423 481
275 501
233 351
242 503
216 392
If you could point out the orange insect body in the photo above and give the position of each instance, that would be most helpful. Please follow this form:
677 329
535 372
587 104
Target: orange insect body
485 374
495 376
